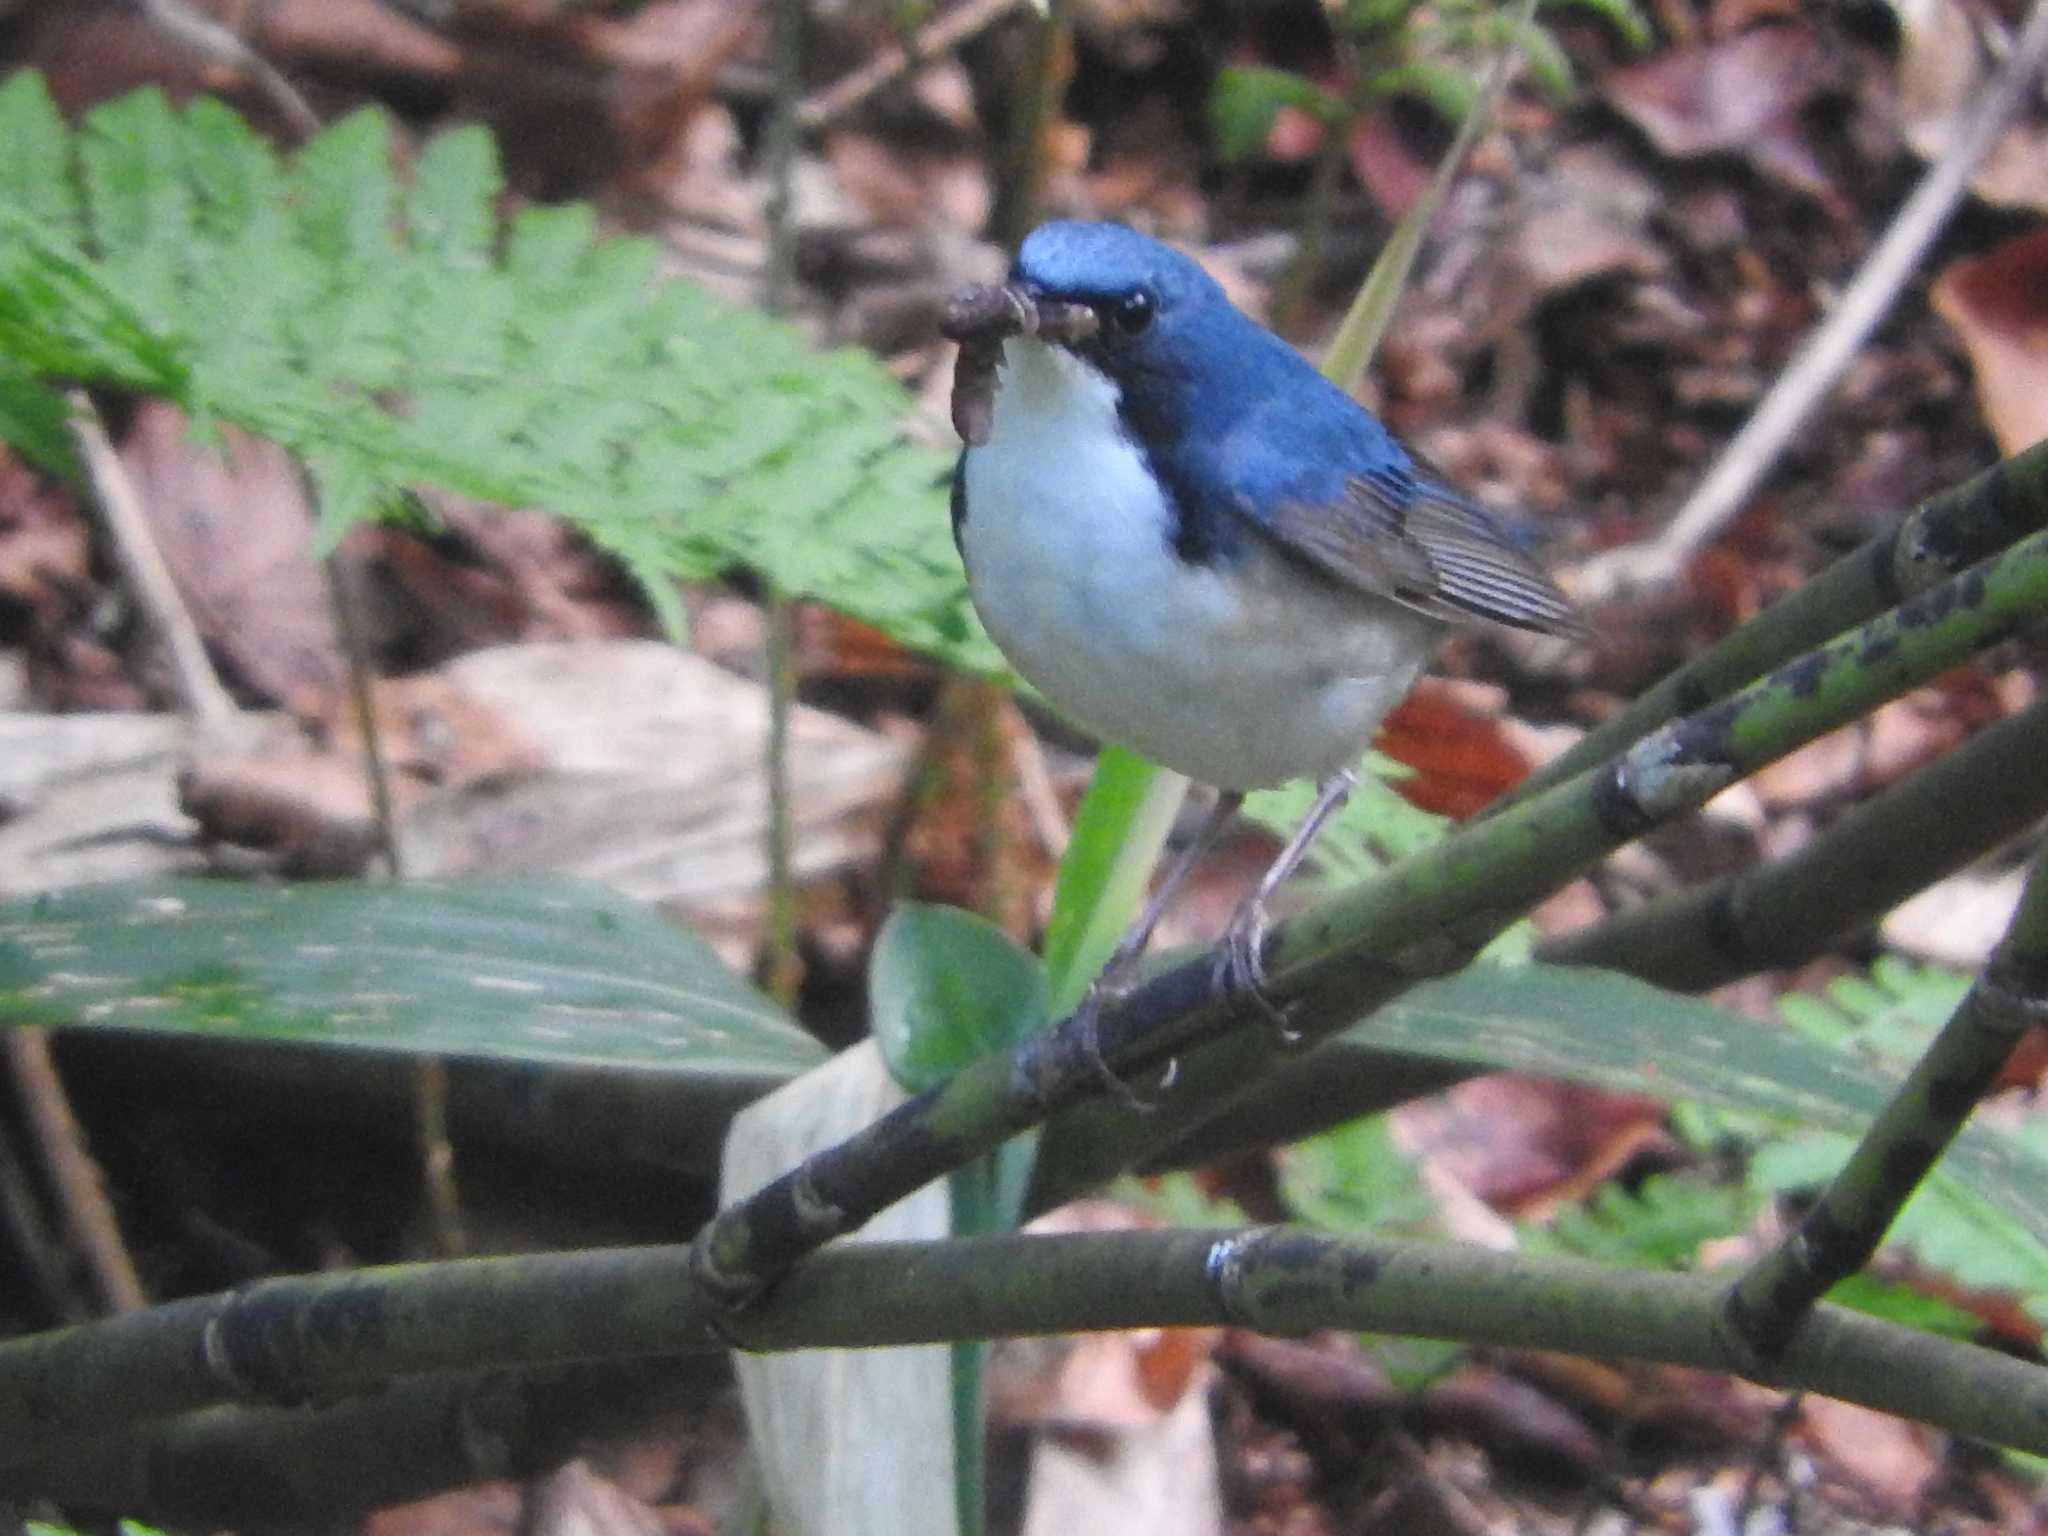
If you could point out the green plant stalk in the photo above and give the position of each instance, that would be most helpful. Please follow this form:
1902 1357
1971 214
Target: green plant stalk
311 1338
1350 954
1317 208
1358 337
781 969
1047 69
1916 550
1123 823
1958 808
1766 1305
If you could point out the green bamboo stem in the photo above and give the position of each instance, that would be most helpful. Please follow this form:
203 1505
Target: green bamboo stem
1958 808
1766 1306
1917 549
1355 952
315 1337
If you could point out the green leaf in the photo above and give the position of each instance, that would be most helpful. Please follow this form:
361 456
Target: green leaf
1451 91
35 173
1661 1224
450 204
1622 15
1369 16
1979 1216
1354 1179
538 971
946 987
1376 827
1247 97
32 418
400 336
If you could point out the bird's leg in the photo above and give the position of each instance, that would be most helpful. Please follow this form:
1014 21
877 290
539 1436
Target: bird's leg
1242 966
1114 978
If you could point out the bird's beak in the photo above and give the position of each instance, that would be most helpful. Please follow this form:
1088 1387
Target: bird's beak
989 315
981 319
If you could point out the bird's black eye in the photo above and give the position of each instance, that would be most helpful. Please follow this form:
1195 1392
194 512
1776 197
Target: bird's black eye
1130 314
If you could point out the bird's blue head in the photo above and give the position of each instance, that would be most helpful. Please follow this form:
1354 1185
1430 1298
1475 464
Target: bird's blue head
1150 302
1134 284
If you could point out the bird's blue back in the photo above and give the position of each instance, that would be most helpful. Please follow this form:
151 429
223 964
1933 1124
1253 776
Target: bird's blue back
1233 419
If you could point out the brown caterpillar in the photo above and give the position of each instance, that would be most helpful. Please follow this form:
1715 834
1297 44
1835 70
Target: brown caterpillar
981 318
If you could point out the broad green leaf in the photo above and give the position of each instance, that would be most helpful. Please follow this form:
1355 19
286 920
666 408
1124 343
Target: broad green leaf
544 971
1980 1215
946 987
1247 97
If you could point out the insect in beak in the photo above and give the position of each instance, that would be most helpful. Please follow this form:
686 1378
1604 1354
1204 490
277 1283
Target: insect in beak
981 318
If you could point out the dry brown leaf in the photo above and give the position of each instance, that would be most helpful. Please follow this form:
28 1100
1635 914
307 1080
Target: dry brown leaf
1740 96
237 535
1890 1457
1944 67
1998 304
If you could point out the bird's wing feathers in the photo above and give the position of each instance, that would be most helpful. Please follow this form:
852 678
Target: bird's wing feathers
1395 535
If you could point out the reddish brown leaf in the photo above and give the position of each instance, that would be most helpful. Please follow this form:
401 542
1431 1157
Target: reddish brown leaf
1998 304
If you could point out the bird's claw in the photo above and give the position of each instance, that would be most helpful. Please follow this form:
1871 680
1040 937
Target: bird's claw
1111 985
1241 969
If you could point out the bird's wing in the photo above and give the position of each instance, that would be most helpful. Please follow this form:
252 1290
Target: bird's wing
1396 535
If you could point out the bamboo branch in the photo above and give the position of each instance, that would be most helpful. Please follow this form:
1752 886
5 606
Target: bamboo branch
1958 808
1917 549
311 1338
1836 1238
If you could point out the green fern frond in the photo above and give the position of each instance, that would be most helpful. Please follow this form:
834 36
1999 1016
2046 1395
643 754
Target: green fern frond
396 332
1660 1224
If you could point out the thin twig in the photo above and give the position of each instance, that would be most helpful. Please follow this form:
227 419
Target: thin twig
935 37
34 1244
148 578
81 1191
341 597
194 29
1048 66
1802 387
780 965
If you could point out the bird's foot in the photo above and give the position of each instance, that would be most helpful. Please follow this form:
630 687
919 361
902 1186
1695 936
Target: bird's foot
1112 986
1241 969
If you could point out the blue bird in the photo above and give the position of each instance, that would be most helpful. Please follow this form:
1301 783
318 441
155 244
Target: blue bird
1195 545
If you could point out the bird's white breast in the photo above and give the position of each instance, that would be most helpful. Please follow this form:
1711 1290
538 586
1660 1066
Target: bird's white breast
1240 677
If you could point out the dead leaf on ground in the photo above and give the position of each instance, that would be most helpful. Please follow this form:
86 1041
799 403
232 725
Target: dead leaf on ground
237 534
1516 1142
1461 760
1891 1458
1514 1420
1741 96
1944 68
1998 304
577 1501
